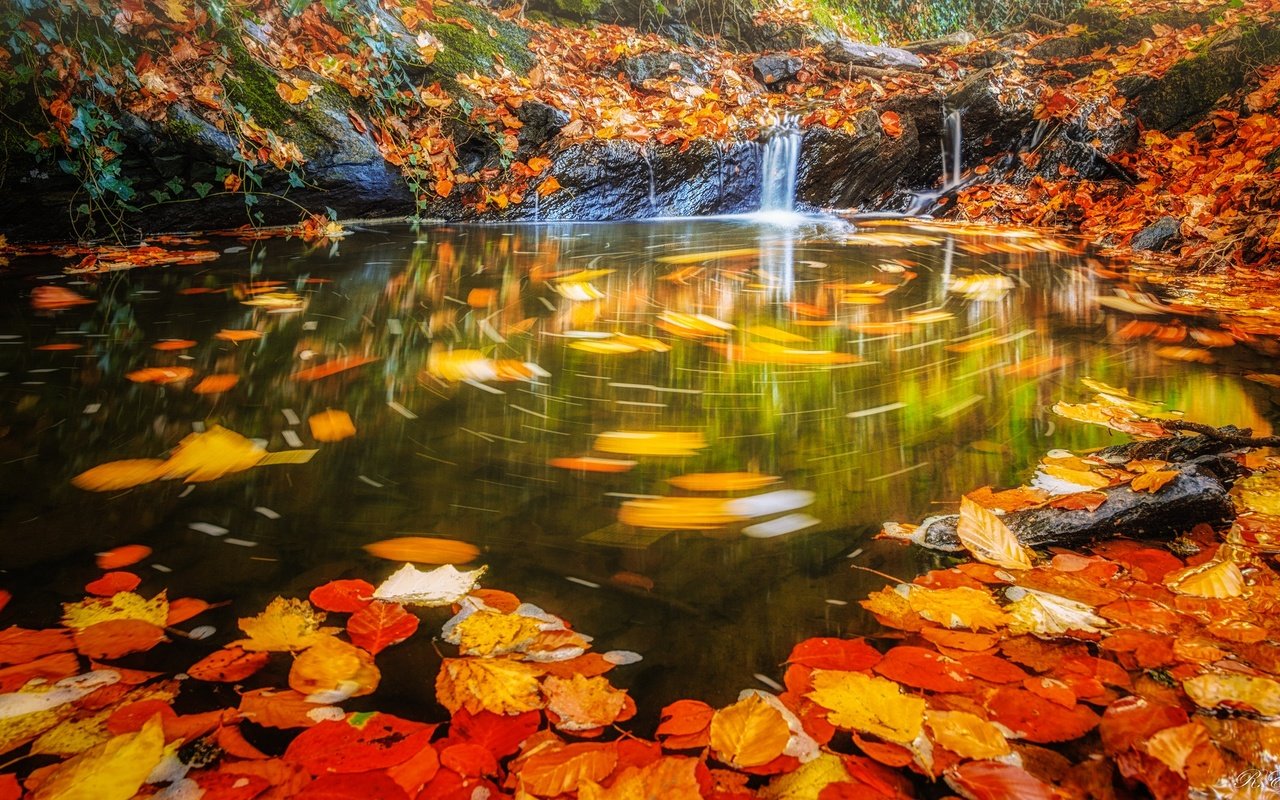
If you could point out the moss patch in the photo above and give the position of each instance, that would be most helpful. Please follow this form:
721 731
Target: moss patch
465 51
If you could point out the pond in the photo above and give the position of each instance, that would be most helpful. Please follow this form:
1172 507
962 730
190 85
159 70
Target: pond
878 369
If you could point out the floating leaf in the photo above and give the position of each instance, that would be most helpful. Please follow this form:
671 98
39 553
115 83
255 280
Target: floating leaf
113 582
992 780
160 375
441 586
122 556
122 605
669 778
115 476
343 596
117 638
558 770
967 735
989 540
380 625
216 384
1047 614
113 770
1216 689
333 667
580 703
423 550
722 481
359 744
650 443
285 625
498 685
1212 579
868 704
228 665
332 426
749 733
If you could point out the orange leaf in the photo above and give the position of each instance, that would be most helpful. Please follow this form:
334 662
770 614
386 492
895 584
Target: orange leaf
380 625
113 582
332 368
117 637
228 665
173 344
331 426
228 335
444 187
216 384
123 556
160 375
891 123
423 550
749 733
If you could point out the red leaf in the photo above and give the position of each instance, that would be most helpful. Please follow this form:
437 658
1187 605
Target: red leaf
225 786
113 582
469 760
131 717
116 638
123 556
892 124
358 786
343 596
50 668
228 665
850 655
991 780
380 625
184 608
686 724
358 744
500 735
20 645
993 668
887 753
1131 721
923 669
1038 720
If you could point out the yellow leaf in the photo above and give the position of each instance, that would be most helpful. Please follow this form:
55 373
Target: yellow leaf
712 255
1173 746
722 481
967 735
869 704
549 186
489 633
488 684
670 778
113 770
285 625
1153 481
1215 688
122 605
211 454
749 733
807 782
961 607
989 540
175 10
1212 579
334 666
1083 479
650 443
115 476
583 703
678 513
776 334
294 91
331 426
1260 492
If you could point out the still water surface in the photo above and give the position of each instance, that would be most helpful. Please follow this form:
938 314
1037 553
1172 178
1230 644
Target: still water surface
931 392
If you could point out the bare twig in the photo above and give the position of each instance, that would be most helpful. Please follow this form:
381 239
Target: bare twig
1214 433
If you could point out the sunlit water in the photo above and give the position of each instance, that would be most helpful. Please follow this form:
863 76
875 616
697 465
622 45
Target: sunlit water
949 392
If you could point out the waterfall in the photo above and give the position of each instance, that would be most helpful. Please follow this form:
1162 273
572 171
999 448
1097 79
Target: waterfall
952 138
923 203
778 166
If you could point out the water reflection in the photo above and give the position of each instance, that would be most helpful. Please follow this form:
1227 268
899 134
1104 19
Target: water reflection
884 369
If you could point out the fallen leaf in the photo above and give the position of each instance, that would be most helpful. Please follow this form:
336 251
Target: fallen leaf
228 665
379 625
749 733
424 550
332 426
441 586
113 770
499 685
989 540
868 704
284 625
333 667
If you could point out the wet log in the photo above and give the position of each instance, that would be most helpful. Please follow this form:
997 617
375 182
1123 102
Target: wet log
1198 495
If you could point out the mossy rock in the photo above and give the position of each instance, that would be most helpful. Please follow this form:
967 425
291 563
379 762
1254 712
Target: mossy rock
1111 26
1192 86
465 51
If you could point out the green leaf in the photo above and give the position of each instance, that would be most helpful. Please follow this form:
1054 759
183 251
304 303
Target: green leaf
202 189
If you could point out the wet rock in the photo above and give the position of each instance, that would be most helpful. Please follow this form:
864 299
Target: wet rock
930 46
541 122
1015 41
1060 48
612 180
843 51
840 170
776 69
993 114
1159 235
1198 495
646 66
1190 88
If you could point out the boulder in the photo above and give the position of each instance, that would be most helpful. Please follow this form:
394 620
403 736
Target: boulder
776 69
843 51
541 122
653 65
1160 235
841 170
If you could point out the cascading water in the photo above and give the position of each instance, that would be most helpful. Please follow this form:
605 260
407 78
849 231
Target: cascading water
952 165
778 165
